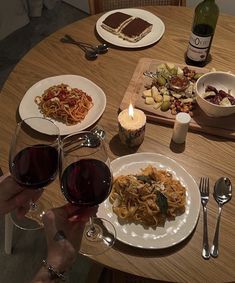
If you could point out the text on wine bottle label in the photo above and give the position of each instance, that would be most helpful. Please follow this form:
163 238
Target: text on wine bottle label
198 47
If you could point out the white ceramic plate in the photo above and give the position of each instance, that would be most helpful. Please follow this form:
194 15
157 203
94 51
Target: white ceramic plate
28 108
157 32
174 231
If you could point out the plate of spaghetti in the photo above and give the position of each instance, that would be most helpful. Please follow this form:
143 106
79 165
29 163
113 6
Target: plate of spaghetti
73 102
154 202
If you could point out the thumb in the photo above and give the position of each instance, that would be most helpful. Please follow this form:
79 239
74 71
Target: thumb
49 222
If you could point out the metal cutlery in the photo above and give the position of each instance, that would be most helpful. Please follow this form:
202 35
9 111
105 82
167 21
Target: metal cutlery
90 54
100 49
204 191
99 132
91 51
152 75
91 139
222 194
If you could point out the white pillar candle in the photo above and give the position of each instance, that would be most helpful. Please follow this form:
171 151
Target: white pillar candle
131 124
181 125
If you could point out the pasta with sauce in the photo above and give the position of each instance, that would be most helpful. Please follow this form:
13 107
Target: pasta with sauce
64 104
149 198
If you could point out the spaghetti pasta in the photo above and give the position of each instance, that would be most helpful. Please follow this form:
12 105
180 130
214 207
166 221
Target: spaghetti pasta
149 198
64 104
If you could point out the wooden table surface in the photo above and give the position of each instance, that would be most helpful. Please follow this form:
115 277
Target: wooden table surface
203 155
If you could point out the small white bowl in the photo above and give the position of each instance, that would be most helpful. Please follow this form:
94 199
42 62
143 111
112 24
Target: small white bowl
221 81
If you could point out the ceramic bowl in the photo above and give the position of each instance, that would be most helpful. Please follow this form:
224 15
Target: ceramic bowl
221 81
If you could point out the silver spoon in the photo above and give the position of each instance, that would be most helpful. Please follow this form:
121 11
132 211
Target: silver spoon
100 49
222 194
90 53
99 132
89 140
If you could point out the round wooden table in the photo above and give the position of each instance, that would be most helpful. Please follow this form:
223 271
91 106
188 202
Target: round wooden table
203 155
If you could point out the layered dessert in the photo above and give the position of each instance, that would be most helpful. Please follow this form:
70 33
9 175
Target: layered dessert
115 22
135 30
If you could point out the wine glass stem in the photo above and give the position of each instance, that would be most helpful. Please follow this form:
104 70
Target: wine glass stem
33 205
92 230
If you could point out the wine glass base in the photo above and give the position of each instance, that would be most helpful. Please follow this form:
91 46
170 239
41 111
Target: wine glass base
33 218
98 239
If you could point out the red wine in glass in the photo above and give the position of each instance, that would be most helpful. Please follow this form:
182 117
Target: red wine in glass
34 162
35 166
86 182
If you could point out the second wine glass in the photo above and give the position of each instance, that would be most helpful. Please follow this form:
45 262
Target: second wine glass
86 181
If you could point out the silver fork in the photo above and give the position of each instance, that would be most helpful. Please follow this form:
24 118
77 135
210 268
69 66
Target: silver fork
204 190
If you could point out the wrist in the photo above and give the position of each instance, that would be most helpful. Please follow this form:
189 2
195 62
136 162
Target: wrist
58 263
48 274
53 273
61 262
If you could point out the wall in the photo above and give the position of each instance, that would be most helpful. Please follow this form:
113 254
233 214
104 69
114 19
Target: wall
226 6
80 4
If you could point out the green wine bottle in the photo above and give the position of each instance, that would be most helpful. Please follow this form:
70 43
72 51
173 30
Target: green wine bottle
203 28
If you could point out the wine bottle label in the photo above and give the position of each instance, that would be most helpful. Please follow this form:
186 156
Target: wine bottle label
198 47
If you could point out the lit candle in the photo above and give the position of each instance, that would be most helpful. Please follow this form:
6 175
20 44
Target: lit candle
131 124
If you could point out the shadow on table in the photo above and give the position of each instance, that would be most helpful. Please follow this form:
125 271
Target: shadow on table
120 149
152 252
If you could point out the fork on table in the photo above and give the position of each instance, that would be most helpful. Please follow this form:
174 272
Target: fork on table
204 191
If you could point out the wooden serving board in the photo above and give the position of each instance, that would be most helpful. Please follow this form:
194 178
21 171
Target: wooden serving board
223 127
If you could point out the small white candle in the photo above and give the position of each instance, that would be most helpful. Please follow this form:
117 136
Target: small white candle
181 125
131 124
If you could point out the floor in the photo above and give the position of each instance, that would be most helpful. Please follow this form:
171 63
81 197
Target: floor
16 45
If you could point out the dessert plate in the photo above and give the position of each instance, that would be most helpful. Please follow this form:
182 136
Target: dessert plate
157 32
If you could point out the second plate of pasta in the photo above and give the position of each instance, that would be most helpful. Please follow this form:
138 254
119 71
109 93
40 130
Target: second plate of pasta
65 85
173 231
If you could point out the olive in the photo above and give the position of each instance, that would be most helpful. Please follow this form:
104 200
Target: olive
197 76
165 106
173 71
161 80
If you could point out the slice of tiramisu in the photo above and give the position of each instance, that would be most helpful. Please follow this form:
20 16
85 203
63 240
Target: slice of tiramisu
114 22
135 30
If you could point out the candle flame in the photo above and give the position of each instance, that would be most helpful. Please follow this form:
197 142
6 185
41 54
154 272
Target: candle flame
131 111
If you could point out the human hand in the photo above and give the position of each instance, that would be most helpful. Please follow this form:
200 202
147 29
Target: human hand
15 197
64 228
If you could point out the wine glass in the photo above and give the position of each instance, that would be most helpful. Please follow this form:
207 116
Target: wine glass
33 163
86 181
